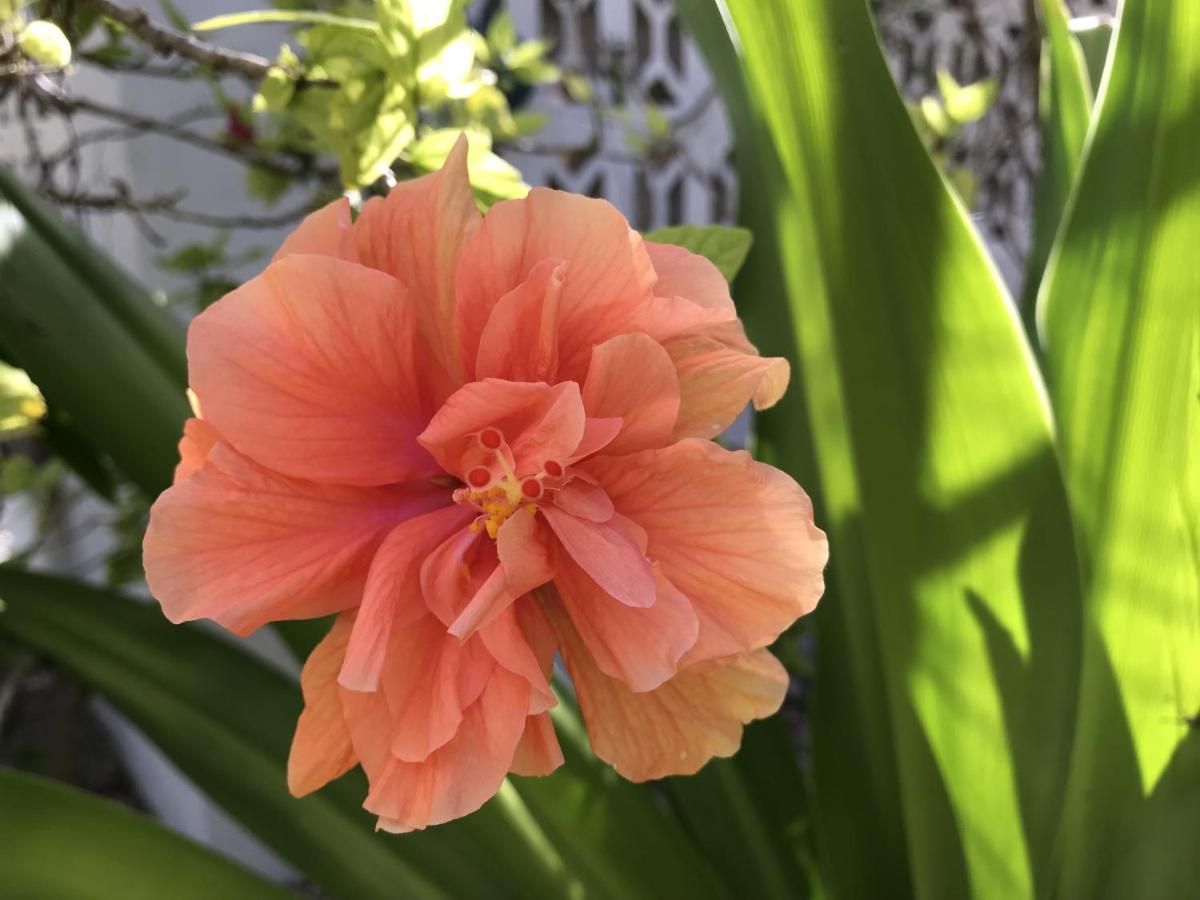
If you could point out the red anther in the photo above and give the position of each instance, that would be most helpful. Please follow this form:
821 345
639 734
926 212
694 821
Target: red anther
491 438
553 468
531 489
479 477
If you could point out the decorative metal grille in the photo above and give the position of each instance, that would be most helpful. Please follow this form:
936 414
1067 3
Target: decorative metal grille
655 141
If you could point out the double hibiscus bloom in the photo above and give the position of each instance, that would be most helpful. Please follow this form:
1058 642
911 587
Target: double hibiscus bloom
482 441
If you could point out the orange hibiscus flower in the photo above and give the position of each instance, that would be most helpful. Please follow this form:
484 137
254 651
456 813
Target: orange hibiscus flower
482 441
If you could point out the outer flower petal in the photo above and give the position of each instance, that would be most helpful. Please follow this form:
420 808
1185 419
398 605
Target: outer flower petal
609 278
633 377
520 339
640 647
538 753
682 273
719 373
678 727
524 565
461 776
605 553
521 640
736 536
393 592
314 370
416 234
326 232
540 422
429 679
242 545
321 748
199 437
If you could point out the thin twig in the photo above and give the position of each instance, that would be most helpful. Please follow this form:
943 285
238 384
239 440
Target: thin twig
166 205
166 41
55 96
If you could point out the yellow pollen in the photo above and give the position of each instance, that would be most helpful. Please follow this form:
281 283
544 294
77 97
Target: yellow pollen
497 504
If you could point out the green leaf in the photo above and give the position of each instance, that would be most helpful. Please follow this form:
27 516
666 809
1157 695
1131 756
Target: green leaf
947 651
1120 317
1066 111
615 840
502 32
91 344
289 17
492 178
227 721
1094 34
113 851
725 248
965 103
158 333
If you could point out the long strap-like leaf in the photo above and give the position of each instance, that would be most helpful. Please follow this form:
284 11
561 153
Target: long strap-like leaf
948 650
56 841
1121 320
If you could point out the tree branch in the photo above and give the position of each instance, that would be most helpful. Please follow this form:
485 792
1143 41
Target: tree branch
166 41
54 95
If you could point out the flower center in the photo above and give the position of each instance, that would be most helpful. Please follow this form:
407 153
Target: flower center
494 487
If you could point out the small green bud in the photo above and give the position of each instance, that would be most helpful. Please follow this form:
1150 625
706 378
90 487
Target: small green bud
44 43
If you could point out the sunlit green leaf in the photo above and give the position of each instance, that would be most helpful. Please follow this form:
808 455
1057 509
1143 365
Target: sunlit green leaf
725 248
1066 110
492 177
965 103
289 17
947 653
112 851
21 403
1120 317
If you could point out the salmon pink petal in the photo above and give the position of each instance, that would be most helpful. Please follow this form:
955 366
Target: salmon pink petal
584 501
524 565
682 273
520 640
520 340
243 545
489 601
456 571
198 438
538 753
633 377
326 232
735 536
314 370
321 748
429 679
416 235
719 373
640 647
393 592
678 727
605 553
461 776
597 434
540 422
608 280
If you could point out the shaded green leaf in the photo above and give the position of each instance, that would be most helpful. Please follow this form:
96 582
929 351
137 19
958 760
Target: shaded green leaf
227 721
112 851
92 349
